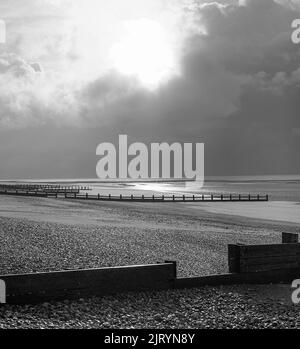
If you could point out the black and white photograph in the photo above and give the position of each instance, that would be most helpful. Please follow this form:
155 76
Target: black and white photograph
149 167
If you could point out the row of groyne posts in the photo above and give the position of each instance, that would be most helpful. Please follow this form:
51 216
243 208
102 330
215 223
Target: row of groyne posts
41 189
75 192
247 264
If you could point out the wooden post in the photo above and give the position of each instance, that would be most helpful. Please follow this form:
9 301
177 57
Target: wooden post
212 197
290 238
267 197
132 197
173 197
175 267
234 258
183 197
109 196
193 197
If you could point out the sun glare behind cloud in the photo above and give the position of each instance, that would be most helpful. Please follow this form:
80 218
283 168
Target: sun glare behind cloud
145 52
140 40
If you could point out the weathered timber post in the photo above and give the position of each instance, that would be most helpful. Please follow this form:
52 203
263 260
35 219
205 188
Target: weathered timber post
175 268
290 238
234 258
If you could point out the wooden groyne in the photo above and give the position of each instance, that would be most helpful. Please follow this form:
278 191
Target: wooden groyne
248 264
171 198
40 190
43 188
72 284
74 194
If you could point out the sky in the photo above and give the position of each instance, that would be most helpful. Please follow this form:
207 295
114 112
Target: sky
76 73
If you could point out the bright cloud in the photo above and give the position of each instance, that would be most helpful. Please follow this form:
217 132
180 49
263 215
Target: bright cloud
224 72
69 62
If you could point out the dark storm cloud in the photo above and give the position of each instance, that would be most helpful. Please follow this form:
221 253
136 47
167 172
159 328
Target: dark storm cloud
238 92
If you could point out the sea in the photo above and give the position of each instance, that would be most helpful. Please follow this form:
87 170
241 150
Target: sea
278 187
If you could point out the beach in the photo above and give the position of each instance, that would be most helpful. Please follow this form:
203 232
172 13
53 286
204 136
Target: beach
145 146
40 234
47 234
55 234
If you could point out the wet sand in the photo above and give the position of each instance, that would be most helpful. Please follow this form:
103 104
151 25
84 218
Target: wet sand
284 211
